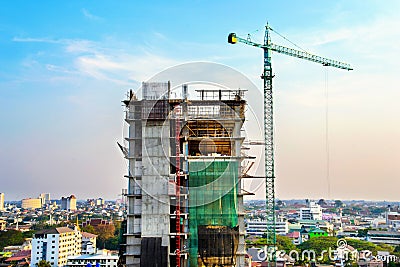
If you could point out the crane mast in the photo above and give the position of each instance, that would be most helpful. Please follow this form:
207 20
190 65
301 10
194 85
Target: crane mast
267 76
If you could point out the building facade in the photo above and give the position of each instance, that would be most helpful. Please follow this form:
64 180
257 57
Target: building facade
313 212
55 245
386 237
31 203
259 228
45 197
68 203
99 260
88 243
1 201
2 225
185 201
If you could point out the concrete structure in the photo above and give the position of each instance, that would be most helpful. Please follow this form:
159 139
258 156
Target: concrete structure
96 222
101 259
386 237
1 201
31 203
313 212
55 245
68 203
99 202
45 197
88 243
2 225
173 212
393 219
258 227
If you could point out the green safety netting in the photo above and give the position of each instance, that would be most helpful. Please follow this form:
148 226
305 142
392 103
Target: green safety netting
213 186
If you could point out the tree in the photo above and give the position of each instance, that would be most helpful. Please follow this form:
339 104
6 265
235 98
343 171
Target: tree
363 232
104 232
43 263
10 238
318 244
338 203
321 202
89 229
285 243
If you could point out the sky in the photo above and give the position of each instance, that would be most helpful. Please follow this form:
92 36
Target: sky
66 66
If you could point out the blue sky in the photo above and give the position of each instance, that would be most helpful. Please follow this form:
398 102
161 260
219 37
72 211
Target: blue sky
66 65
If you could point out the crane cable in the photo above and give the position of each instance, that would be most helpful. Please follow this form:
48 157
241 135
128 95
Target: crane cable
287 40
327 134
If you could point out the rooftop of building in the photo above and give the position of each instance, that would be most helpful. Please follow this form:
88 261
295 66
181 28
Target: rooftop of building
20 255
317 230
88 235
93 257
57 230
384 233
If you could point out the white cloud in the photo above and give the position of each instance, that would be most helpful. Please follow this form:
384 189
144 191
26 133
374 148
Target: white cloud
89 15
102 61
36 40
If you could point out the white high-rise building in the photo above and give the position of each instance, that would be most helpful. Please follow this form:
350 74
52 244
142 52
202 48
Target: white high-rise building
68 203
45 197
1 201
313 212
55 245
259 228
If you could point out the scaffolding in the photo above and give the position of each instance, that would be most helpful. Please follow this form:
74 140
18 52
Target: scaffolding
213 223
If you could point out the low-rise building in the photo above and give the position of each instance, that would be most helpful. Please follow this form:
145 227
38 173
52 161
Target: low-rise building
20 258
96 222
295 237
312 224
393 219
316 232
258 227
88 243
386 237
101 259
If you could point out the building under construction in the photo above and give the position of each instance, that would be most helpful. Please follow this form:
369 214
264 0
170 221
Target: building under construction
185 201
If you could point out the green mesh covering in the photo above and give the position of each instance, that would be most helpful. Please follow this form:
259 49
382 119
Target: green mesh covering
213 192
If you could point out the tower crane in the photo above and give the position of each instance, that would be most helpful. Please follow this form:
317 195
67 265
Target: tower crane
267 76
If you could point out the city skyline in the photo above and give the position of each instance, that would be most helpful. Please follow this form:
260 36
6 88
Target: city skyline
65 73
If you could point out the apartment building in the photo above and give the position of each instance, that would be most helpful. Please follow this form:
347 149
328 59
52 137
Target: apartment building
55 245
